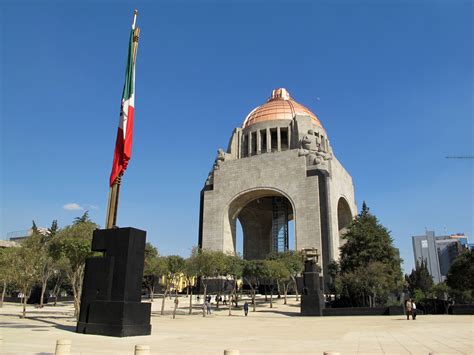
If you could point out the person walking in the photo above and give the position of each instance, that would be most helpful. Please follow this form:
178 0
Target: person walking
413 310
208 306
246 308
408 307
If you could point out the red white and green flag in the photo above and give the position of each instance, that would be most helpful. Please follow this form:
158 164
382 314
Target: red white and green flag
123 144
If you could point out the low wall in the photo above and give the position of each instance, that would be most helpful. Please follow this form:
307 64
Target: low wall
364 311
462 309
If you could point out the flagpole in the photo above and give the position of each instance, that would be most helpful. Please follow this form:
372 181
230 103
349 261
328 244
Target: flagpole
114 191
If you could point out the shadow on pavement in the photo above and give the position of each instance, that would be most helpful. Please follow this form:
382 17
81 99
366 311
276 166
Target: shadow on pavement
47 320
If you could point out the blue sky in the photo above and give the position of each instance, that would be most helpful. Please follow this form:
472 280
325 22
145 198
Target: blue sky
390 81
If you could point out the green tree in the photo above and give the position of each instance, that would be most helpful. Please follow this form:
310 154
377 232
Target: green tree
73 245
82 219
174 268
253 271
368 245
39 242
209 265
7 272
191 274
461 277
24 272
155 268
274 272
419 278
232 270
293 262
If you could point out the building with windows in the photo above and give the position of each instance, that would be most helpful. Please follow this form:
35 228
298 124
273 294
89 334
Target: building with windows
279 166
438 252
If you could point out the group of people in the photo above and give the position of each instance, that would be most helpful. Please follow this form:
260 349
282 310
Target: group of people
206 306
410 307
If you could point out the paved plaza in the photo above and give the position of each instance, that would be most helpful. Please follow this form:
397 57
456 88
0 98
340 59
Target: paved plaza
279 330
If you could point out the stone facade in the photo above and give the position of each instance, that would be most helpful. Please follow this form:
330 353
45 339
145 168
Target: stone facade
285 156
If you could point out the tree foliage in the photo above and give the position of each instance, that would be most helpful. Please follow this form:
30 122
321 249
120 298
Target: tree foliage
369 267
461 277
419 279
73 245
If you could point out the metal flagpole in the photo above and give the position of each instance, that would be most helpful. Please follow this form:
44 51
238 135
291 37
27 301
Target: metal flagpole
114 192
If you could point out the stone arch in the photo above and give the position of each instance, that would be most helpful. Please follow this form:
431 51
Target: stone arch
245 207
344 218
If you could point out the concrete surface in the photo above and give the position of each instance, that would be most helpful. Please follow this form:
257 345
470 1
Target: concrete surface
279 330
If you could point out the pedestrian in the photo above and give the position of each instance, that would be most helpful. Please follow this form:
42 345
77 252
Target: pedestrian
408 307
413 310
208 306
246 308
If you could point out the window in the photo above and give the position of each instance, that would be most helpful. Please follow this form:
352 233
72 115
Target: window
245 146
263 141
253 143
284 138
274 139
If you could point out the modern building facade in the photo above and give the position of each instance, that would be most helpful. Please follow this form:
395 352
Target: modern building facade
279 166
438 252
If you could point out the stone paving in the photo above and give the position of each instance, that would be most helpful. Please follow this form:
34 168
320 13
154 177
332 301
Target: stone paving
279 330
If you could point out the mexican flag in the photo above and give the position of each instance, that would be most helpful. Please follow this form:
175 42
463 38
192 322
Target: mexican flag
123 144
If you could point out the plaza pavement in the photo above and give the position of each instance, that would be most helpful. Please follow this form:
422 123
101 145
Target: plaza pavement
279 330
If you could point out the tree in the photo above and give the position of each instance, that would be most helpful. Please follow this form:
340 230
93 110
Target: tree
209 264
73 245
39 243
7 272
368 246
174 267
191 274
155 267
233 267
419 279
293 262
253 271
461 277
274 272
25 272
83 219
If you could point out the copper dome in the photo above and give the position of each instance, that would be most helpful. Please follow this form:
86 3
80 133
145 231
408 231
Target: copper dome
279 107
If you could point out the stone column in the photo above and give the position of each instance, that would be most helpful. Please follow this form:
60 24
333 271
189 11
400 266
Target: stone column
259 143
269 141
249 145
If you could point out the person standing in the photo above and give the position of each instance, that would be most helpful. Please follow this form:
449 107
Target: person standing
408 307
413 310
246 308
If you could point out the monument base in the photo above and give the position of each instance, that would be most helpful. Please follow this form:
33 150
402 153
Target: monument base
111 293
118 319
312 299
312 305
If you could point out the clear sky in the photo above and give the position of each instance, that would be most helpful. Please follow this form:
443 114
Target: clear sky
392 83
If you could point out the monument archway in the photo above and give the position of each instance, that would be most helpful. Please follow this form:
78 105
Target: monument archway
264 217
344 218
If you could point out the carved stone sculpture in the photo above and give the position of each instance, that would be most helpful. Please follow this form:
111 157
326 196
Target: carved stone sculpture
312 148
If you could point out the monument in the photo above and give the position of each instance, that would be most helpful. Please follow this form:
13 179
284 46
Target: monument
111 297
279 166
111 292
312 299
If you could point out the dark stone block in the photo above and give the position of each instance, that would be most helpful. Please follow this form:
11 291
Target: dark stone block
111 294
312 300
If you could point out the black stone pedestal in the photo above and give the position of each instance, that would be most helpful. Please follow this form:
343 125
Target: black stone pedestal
111 292
312 300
